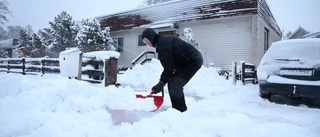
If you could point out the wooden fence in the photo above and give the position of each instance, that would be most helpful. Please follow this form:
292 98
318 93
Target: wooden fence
248 73
29 65
93 70
245 74
98 71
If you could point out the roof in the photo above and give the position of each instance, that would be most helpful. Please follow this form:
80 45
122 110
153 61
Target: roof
312 35
7 44
177 11
299 33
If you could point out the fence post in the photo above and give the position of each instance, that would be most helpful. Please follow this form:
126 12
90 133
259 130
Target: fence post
234 72
80 66
106 73
112 69
8 66
23 66
42 66
243 72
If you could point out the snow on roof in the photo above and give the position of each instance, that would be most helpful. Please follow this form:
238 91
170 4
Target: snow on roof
187 10
137 9
312 35
161 25
299 29
69 50
6 43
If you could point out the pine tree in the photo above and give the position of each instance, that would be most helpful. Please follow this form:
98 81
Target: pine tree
25 40
109 40
64 32
31 44
90 36
4 11
38 49
13 31
3 34
190 37
46 36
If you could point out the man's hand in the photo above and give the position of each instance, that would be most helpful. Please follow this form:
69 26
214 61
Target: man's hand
158 87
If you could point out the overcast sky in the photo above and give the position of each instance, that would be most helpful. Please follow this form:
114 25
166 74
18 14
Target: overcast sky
289 14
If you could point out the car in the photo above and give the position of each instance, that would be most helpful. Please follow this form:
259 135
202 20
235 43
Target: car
291 68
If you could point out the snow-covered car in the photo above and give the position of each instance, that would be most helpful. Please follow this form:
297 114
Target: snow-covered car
292 68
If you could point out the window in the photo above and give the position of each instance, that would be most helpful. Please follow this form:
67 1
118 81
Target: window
118 43
15 42
266 39
140 41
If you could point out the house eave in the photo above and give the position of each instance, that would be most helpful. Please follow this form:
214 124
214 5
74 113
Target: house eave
179 11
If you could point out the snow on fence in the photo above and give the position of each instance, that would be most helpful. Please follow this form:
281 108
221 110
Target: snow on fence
245 73
29 65
99 70
93 70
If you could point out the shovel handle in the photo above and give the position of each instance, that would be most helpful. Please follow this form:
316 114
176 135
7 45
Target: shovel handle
153 92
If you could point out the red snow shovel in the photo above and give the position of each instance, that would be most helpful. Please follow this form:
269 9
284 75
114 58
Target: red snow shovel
158 100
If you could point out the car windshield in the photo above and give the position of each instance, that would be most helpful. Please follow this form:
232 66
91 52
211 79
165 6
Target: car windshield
294 50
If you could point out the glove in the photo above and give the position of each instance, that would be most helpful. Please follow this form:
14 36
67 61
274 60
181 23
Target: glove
158 88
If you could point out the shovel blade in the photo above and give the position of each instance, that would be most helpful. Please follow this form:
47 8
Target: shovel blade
158 100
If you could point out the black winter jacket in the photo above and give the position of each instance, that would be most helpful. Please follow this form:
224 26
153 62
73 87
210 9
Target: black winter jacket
173 52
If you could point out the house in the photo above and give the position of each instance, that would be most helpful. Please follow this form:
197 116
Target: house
227 30
312 35
9 45
298 34
301 33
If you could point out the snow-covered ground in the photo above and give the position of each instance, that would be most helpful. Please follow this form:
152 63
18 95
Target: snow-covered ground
55 106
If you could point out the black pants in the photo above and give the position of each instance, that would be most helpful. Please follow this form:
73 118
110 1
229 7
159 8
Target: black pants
180 78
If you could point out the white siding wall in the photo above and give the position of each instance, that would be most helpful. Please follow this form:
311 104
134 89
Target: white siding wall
130 46
273 37
223 40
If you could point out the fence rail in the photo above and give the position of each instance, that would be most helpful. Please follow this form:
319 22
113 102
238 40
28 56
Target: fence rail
248 73
92 70
245 74
29 65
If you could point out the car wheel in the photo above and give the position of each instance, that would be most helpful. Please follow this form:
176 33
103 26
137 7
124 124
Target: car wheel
312 102
265 95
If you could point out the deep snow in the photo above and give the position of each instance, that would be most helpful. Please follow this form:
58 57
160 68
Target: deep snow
52 105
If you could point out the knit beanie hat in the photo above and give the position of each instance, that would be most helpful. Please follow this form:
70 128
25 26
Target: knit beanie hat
151 35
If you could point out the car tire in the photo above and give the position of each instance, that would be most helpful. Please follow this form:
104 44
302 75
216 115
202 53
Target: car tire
264 95
312 102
